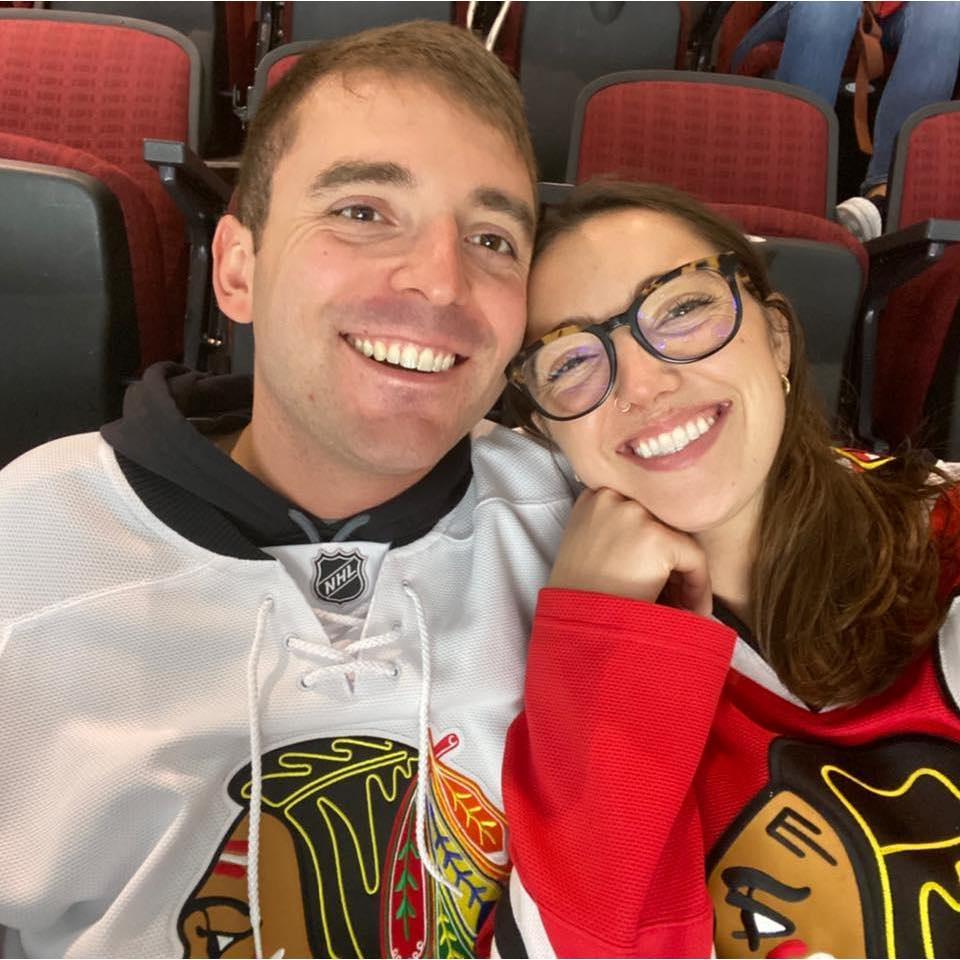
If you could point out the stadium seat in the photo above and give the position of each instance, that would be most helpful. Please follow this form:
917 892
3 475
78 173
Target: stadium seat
564 46
272 68
309 23
723 139
505 21
918 344
67 316
102 85
822 270
206 24
336 18
923 180
158 329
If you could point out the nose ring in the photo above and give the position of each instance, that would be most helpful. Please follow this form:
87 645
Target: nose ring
622 407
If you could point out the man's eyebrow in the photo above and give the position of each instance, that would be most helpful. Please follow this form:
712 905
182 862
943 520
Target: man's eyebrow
496 200
361 171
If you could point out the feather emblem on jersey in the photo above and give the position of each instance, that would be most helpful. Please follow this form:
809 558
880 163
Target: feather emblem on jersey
468 840
861 460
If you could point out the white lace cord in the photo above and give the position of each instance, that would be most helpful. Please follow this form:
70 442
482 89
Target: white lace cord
256 776
471 10
343 659
494 33
423 765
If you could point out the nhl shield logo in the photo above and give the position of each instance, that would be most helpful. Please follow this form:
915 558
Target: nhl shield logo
341 576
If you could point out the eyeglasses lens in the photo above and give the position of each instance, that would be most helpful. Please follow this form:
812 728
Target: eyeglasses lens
690 316
569 375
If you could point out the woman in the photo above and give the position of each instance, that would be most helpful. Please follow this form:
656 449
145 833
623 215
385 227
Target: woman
741 727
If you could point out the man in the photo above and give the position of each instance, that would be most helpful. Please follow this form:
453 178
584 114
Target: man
256 668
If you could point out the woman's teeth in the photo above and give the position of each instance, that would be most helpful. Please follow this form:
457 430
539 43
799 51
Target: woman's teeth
407 355
675 440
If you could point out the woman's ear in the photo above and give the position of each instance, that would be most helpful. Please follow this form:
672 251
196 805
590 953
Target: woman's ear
233 262
778 328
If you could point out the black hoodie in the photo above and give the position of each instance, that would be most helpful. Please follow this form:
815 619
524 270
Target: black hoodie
190 484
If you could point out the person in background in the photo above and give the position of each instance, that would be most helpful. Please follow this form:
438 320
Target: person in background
742 710
817 38
261 641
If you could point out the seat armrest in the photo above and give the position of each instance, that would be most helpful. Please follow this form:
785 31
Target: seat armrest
899 256
187 177
202 197
895 259
916 235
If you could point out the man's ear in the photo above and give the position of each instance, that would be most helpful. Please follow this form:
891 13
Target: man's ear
233 262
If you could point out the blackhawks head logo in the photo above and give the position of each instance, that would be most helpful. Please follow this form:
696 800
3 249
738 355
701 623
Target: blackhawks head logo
854 851
340 873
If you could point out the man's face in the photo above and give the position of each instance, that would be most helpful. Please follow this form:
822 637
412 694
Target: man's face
398 236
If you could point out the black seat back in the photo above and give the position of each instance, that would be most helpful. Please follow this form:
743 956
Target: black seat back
823 282
67 318
337 18
566 45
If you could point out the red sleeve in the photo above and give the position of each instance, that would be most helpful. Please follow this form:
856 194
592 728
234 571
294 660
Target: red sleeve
605 833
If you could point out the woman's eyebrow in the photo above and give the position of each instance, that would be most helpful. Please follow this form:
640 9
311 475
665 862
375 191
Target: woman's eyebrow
569 322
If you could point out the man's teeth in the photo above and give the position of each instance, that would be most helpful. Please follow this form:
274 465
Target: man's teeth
675 440
406 355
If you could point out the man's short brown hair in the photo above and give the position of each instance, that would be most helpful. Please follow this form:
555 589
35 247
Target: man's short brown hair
449 57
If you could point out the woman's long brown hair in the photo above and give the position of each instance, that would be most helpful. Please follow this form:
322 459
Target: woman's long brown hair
844 581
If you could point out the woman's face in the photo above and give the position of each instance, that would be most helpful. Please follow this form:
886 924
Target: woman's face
593 273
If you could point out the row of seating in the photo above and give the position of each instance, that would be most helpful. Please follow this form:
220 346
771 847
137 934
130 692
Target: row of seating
544 44
764 152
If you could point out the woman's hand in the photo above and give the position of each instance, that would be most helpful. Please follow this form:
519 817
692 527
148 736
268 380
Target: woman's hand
614 545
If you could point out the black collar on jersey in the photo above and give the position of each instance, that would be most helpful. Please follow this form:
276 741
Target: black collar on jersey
197 490
729 619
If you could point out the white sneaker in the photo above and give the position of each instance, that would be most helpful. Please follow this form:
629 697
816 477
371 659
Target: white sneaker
861 217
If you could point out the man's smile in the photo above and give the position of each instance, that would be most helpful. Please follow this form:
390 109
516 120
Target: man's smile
400 353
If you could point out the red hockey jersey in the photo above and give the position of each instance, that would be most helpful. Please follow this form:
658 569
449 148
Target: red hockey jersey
668 796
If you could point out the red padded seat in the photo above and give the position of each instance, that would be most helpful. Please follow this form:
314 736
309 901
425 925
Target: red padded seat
723 139
918 318
930 185
791 224
103 85
910 339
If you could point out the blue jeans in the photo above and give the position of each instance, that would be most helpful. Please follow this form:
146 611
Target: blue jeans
817 38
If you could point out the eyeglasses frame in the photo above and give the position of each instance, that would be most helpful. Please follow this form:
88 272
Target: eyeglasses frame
726 264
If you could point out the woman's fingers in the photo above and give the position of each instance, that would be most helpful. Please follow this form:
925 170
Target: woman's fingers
614 545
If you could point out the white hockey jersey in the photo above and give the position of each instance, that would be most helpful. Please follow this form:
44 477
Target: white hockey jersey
179 727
